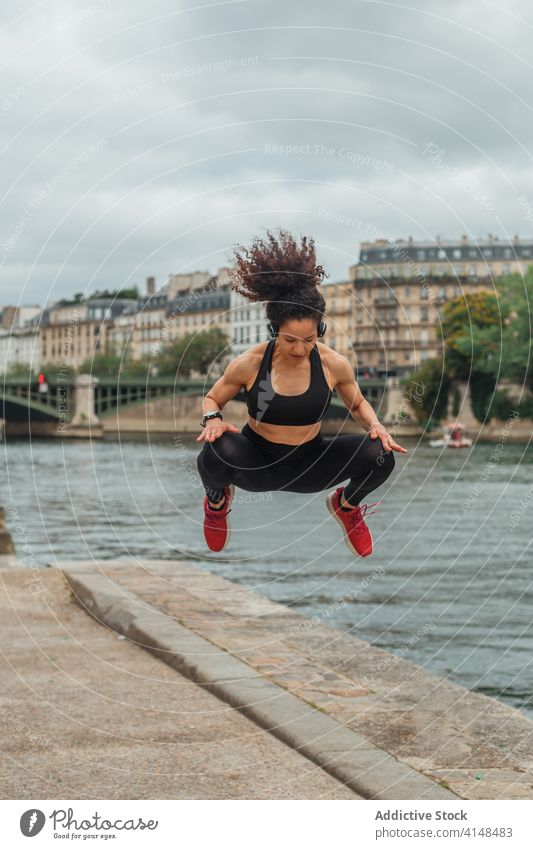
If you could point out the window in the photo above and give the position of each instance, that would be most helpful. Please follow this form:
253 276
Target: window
441 254
424 336
407 355
424 293
456 253
423 314
407 291
472 271
507 253
442 292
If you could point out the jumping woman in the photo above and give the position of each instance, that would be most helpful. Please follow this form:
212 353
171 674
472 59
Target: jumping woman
288 383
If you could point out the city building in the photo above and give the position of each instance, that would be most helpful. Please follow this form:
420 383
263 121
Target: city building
19 347
158 321
180 284
248 323
201 308
72 333
339 317
12 317
148 327
400 287
490 257
123 336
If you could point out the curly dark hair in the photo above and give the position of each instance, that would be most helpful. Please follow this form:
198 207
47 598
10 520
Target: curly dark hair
282 273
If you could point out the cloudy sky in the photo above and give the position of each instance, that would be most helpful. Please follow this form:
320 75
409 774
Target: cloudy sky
147 139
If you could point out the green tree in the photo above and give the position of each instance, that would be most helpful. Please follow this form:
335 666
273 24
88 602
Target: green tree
19 371
467 327
131 292
486 338
514 346
110 364
471 327
67 302
192 352
55 373
428 389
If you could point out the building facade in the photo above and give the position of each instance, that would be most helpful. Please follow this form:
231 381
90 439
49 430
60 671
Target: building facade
399 289
201 309
20 346
142 332
465 258
339 317
180 284
70 334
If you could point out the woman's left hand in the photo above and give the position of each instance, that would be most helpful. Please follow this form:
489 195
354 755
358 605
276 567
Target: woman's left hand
389 444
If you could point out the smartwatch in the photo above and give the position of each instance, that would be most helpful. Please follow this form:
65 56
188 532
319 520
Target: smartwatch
208 416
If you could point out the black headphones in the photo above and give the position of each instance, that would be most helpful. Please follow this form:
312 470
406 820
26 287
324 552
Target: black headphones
274 330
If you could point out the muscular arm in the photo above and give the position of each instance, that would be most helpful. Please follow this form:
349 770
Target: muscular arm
359 408
227 386
349 390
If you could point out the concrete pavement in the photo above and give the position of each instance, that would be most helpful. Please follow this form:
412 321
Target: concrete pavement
87 715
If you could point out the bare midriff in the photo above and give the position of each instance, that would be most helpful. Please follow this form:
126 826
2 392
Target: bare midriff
288 434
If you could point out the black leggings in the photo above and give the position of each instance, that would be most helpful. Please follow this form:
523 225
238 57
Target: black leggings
256 464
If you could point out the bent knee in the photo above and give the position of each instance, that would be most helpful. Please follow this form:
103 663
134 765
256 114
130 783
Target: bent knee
385 460
222 450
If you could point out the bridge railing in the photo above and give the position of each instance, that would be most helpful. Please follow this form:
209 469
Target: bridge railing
112 393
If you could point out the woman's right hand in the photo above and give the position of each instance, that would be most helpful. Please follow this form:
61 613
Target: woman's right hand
214 429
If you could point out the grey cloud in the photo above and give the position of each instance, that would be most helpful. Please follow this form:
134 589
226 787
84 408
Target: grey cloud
181 134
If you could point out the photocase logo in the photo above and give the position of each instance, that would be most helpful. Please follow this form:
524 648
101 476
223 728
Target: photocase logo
31 822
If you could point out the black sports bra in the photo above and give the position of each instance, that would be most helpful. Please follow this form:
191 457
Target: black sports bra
266 405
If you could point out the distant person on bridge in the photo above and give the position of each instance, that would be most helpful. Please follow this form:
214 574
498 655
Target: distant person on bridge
288 383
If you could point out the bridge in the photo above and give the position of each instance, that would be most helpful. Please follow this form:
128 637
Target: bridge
87 399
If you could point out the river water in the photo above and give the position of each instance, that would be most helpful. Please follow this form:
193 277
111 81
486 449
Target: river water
449 585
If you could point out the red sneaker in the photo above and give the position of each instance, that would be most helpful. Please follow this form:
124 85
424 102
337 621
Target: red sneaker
356 533
216 522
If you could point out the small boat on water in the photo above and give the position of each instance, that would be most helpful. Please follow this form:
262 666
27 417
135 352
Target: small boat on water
453 436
